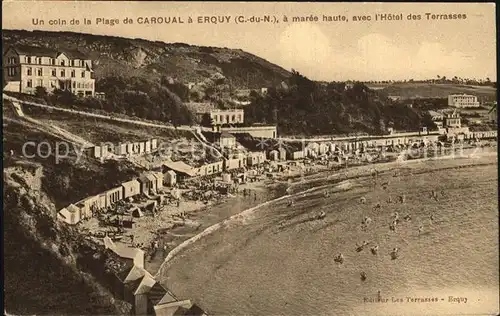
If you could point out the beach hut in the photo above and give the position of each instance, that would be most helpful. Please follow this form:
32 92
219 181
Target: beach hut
69 214
282 154
131 188
274 155
226 177
170 178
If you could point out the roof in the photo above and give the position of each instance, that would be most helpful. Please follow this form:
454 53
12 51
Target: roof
47 52
147 283
122 251
195 310
434 113
150 176
72 208
157 293
226 135
128 183
180 166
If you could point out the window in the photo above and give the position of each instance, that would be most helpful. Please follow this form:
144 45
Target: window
83 74
12 60
62 62
25 59
53 83
29 60
29 84
28 71
39 60
12 71
52 61
39 83
54 72
72 73
39 72
63 73
74 85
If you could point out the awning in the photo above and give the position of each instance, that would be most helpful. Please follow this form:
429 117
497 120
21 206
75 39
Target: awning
180 166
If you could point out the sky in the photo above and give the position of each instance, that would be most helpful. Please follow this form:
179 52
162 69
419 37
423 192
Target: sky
321 50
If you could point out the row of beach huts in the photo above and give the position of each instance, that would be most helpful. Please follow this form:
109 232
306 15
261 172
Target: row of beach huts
124 149
149 183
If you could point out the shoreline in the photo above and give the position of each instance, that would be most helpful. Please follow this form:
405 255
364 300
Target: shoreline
316 182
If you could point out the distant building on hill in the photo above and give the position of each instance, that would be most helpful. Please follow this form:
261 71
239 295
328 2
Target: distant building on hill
29 67
452 120
463 101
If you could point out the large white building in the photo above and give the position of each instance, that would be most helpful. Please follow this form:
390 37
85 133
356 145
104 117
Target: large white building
220 117
29 67
463 101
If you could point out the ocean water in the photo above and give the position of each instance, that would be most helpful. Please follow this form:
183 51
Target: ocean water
277 261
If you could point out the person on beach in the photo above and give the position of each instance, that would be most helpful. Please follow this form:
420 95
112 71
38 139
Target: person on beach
363 275
394 253
431 219
339 258
396 217
392 226
374 249
407 218
420 229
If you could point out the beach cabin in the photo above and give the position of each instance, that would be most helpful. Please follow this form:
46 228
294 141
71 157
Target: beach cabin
69 214
114 195
148 183
170 178
296 155
256 158
274 155
147 146
212 168
131 188
282 154
159 180
154 144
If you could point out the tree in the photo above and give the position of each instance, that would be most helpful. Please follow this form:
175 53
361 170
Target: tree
41 92
206 120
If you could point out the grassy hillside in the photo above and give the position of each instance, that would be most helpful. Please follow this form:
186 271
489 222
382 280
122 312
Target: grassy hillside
116 56
431 90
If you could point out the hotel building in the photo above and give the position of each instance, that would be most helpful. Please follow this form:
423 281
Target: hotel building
28 67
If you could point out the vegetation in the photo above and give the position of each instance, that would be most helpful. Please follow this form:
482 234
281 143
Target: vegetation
313 108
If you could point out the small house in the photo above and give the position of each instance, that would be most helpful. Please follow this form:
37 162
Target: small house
131 188
170 178
227 140
134 254
69 214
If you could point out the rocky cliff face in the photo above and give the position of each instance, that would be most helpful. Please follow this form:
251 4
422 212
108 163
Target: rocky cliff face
41 270
135 57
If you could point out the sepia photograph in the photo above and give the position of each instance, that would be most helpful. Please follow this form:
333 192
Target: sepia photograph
250 158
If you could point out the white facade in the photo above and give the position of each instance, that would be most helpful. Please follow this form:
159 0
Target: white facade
26 68
463 101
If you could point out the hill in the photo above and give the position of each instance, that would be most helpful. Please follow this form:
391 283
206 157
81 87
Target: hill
125 57
410 90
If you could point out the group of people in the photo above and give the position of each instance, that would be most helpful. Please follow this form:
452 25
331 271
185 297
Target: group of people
395 221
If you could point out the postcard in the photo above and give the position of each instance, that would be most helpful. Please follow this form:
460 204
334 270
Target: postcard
250 158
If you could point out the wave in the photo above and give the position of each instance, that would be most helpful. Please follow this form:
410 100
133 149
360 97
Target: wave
242 216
